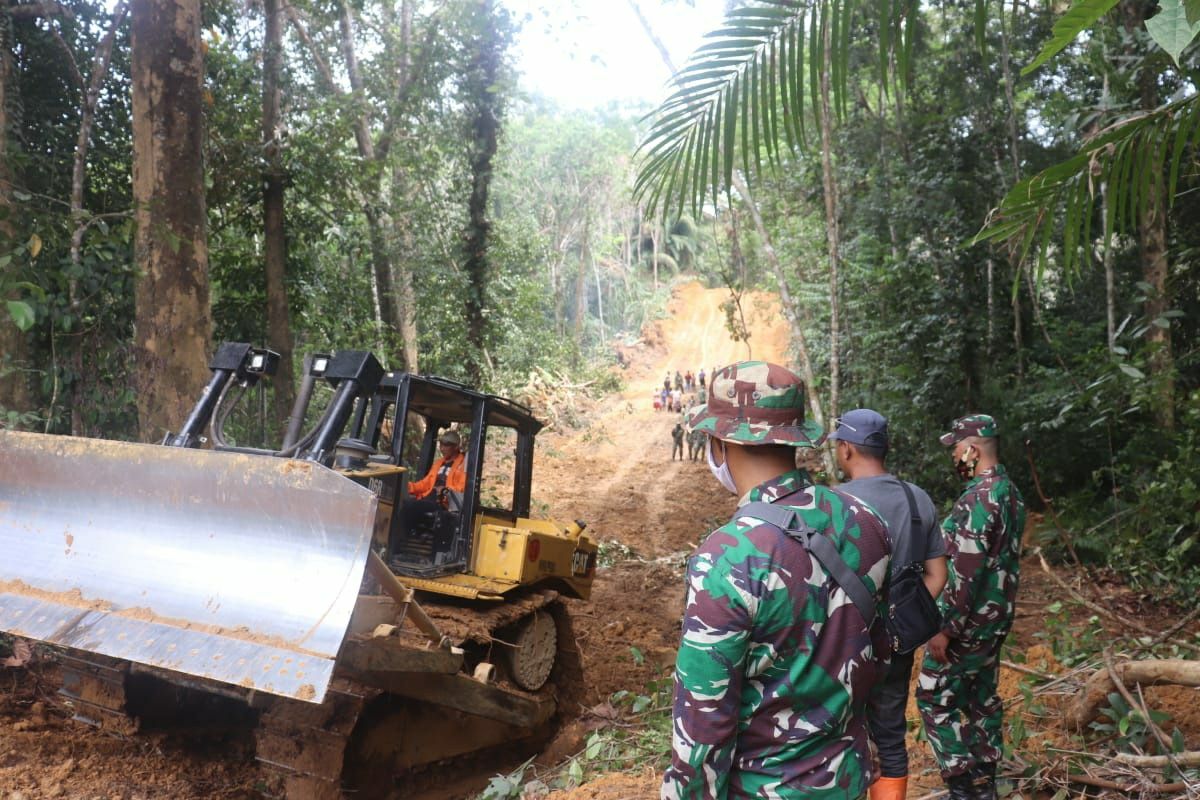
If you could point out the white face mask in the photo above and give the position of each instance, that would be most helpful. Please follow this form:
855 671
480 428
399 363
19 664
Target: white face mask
721 473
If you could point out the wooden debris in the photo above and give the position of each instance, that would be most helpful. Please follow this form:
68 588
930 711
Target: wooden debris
1151 672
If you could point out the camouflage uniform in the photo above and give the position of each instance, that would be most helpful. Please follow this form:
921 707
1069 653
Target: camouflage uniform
677 434
696 444
776 663
962 712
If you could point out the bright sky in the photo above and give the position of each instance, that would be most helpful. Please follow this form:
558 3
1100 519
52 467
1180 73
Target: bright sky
590 53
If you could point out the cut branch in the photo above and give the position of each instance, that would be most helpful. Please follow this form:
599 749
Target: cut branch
1152 672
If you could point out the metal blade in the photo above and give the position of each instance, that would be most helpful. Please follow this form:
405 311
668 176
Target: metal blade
237 568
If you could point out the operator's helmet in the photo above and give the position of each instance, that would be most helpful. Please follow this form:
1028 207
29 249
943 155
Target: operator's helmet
451 437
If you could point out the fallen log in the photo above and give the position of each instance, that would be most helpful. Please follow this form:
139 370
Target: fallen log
1151 672
1128 789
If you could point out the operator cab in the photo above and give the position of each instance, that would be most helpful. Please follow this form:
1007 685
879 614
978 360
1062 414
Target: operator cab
497 441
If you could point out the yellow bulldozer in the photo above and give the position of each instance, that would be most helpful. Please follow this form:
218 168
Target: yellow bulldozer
363 642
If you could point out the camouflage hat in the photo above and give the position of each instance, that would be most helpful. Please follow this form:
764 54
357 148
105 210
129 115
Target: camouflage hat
753 402
981 425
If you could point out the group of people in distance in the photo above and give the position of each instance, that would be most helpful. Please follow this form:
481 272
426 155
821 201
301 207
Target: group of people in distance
671 396
783 679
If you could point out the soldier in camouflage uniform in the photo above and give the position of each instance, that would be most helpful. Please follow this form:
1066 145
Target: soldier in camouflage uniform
956 691
776 662
697 443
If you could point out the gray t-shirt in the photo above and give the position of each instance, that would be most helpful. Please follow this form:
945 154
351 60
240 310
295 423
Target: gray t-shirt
884 494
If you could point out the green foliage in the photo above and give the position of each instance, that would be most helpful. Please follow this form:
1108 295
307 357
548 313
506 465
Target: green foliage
1172 28
1079 17
1128 725
641 740
743 92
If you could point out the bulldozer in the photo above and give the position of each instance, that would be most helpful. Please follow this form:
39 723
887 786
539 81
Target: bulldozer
362 642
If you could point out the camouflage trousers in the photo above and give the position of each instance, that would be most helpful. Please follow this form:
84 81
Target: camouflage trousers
962 713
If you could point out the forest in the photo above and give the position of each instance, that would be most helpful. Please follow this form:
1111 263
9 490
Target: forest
949 207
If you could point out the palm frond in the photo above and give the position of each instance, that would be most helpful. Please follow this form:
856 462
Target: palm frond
743 94
1140 159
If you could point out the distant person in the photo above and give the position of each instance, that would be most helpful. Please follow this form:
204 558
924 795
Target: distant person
697 441
956 691
677 401
677 434
776 660
678 380
689 382
667 382
701 378
656 398
862 447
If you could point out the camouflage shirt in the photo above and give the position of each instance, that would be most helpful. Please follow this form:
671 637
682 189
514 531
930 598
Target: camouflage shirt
983 541
775 667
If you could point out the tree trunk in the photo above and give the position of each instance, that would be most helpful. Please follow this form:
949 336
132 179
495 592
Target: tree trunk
585 254
991 306
485 131
14 385
1018 342
599 298
1110 304
173 321
1152 230
832 235
79 224
279 325
1152 234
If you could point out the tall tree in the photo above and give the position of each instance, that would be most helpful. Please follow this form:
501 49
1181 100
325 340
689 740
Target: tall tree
80 221
173 319
488 106
14 387
279 326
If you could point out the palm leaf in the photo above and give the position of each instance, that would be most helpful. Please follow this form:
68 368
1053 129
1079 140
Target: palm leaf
1078 18
1137 158
743 92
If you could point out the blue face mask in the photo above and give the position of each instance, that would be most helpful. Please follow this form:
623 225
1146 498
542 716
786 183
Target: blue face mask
721 473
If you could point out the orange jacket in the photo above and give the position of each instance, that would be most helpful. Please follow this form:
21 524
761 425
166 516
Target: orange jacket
456 480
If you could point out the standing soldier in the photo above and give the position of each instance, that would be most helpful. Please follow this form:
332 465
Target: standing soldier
956 691
677 434
778 656
678 381
696 440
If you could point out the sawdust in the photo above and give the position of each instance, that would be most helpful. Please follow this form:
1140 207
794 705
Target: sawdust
73 598
615 786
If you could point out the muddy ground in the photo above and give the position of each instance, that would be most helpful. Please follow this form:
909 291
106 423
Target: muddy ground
615 473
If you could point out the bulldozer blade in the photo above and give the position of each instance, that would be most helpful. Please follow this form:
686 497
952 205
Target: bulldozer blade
235 568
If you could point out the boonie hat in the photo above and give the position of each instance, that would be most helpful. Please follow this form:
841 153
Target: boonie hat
861 426
754 402
450 437
981 425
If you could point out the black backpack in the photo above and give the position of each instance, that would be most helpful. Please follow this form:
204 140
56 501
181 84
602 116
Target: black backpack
912 613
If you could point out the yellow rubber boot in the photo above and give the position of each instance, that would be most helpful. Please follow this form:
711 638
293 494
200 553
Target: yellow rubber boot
888 789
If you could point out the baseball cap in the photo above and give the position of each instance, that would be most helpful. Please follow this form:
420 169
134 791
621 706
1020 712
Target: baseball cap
754 403
981 425
862 426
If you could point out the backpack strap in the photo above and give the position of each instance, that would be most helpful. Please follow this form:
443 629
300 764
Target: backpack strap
790 522
913 515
